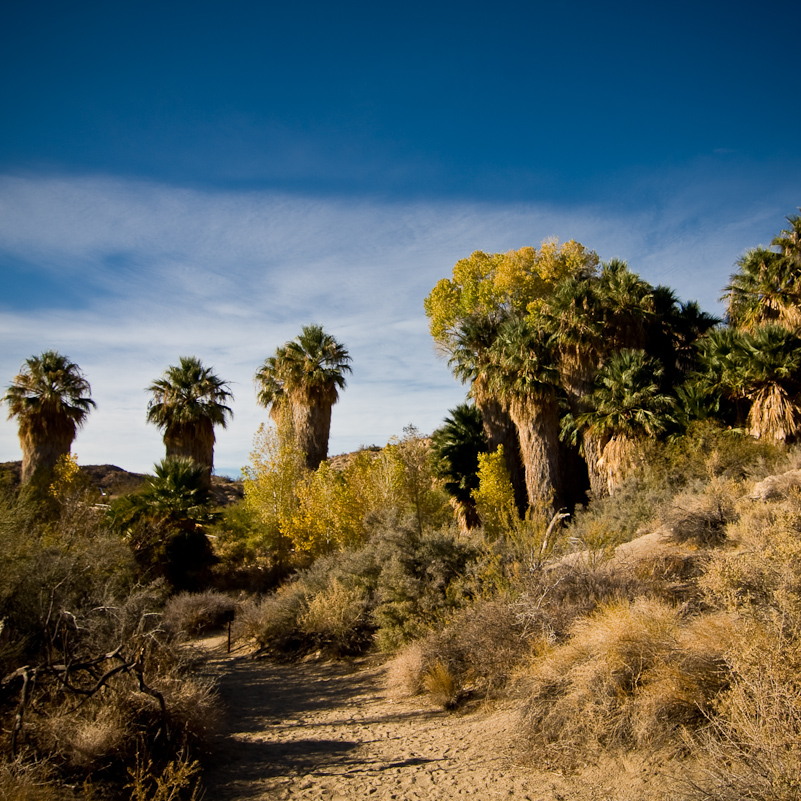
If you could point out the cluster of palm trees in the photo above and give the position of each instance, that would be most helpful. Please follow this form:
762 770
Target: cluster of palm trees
568 357
51 400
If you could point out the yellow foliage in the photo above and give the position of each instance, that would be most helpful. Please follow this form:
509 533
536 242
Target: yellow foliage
376 478
495 497
276 468
67 478
325 510
329 514
515 280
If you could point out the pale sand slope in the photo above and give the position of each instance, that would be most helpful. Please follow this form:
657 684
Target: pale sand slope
328 730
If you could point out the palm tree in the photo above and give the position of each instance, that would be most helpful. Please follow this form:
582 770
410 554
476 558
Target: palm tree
523 375
789 241
765 289
773 383
470 361
165 523
455 447
50 399
188 401
628 304
627 406
305 375
573 316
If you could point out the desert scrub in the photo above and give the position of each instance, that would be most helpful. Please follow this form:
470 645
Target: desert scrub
335 618
88 672
549 601
475 653
198 613
630 676
752 747
701 518
395 588
760 574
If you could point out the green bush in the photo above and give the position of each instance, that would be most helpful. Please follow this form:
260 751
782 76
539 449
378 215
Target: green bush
396 587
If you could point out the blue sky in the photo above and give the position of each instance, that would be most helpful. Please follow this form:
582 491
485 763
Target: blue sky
205 178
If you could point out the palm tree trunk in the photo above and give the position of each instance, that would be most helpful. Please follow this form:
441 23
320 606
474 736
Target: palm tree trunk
312 427
537 424
44 442
193 441
618 458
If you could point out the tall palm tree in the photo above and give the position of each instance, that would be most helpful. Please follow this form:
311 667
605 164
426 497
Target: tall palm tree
471 362
627 406
523 374
455 447
773 383
51 400
573 316
305 375
188 402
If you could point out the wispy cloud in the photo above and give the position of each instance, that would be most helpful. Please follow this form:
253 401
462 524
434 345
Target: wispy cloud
146 273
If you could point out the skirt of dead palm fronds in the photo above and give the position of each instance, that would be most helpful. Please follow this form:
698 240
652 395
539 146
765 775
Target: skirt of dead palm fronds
466 515
618 458
774 415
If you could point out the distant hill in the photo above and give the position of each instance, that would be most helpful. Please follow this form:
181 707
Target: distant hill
113 481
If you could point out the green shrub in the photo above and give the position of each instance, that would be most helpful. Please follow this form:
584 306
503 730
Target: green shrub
396 587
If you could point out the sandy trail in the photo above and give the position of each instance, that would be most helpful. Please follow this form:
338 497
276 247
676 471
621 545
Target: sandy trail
329 730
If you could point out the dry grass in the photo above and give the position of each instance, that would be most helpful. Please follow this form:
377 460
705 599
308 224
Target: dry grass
176 780
629 676
752 746
474 654
272 621
406 670
701 519
441 686
25 780
714 695
333 617
553 599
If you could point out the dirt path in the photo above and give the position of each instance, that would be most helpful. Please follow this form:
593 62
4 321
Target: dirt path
328 730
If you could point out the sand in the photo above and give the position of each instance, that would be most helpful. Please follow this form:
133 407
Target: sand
330 730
